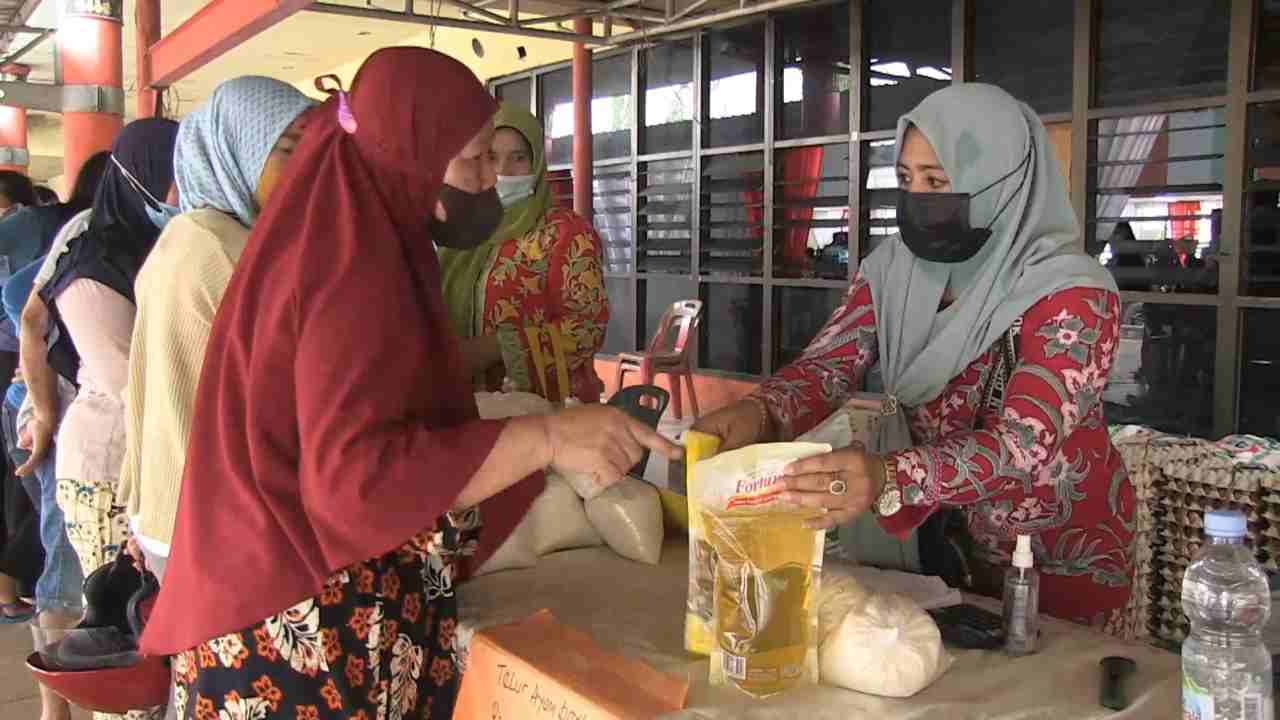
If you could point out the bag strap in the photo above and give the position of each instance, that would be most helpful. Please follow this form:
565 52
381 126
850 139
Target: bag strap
946 548
1006 359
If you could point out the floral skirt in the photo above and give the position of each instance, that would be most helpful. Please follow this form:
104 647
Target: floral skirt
96 526
375 644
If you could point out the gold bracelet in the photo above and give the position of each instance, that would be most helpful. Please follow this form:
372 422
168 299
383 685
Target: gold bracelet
890 471
763 409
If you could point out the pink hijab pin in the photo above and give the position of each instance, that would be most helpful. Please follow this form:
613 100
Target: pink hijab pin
346 118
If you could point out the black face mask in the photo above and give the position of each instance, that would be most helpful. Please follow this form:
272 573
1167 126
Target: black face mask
473 217
935 226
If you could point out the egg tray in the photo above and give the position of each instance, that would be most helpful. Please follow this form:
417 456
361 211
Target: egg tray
1168 631
1175 481
1145 576
1267 478
1201 497
1193 460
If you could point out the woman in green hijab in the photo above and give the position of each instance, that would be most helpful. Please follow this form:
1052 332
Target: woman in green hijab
541 268
995 333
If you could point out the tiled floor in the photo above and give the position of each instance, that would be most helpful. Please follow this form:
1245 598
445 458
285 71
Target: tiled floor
19 698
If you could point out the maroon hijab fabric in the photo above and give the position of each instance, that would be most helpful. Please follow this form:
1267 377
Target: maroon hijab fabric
333 420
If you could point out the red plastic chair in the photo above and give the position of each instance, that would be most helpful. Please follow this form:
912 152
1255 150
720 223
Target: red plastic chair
668 354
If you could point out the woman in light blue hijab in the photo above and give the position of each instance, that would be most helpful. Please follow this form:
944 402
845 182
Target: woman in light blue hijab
993 334
230 154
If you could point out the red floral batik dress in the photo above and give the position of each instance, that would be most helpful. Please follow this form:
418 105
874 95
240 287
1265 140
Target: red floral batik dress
1043 464
550 275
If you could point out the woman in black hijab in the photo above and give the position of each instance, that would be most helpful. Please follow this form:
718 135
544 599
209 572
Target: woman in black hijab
90 301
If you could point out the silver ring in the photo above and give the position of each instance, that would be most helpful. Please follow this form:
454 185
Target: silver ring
838 487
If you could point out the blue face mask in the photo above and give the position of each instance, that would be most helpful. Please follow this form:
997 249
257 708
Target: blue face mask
159 213
161 216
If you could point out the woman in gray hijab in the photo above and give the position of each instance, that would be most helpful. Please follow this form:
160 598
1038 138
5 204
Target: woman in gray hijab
995 335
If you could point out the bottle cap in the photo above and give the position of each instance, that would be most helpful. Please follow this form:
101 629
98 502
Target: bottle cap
1225 524
1022 554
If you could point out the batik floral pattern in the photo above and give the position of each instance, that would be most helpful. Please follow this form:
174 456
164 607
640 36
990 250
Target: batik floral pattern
369 646
552 274
1042 464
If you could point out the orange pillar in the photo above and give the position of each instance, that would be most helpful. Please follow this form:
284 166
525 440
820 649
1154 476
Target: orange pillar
582 148
89 48
13 139
146 22
13 125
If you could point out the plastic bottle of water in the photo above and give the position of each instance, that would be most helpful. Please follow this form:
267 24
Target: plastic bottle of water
1226 669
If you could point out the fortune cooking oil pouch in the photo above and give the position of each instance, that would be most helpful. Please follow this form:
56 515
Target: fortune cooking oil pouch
698 611
754 571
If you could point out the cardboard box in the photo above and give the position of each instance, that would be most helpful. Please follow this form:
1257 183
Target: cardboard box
541 669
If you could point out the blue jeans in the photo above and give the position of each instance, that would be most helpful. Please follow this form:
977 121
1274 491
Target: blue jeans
61 584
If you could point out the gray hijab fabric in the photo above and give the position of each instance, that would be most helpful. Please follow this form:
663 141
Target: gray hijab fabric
223 146
979 133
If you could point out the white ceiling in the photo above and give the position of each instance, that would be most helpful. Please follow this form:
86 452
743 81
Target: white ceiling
295 50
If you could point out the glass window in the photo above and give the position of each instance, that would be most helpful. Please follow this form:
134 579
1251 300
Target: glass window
813 62
1154 50
733 214
811 212
557 115
1026 47
659 295
622 308
1156 188
1266 48
799 313
1260 374
1262 203
611 206
1163 371
909 56
735 105
517 92
665 213
561 182
668 98
611 110
880 194
611 107
731 328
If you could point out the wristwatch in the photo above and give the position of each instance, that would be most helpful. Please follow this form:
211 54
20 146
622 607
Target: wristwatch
890 500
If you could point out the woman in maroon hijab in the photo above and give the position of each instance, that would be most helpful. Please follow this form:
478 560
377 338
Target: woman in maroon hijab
337 470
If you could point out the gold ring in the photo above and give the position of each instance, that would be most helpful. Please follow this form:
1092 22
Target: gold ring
837 486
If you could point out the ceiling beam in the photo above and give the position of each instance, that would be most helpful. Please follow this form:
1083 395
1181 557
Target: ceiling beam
216 28
476 25
25 29
17 24
53 98
31 44
744 9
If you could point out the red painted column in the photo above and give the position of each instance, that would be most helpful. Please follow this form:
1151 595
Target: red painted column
582 148
13 138
89 47
146 23
13 126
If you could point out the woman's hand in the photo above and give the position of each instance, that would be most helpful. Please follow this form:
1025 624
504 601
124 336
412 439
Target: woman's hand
601 441
479 353
846 483
36 436
738 425
135 551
